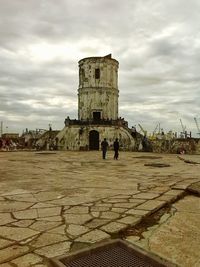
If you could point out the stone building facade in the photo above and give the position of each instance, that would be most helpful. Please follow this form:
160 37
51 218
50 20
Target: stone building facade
97 109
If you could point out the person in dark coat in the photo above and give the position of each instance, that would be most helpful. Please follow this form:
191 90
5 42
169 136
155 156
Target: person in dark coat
104 147
116 148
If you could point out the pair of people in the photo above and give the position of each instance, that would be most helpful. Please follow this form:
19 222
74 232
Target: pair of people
104 147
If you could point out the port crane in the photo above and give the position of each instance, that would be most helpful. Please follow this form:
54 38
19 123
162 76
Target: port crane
157 128
183 127
184 132
142 129
197 125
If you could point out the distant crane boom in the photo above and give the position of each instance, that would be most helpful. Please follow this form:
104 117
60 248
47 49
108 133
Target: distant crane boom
144 131
154 131
1 132
183 127
195 119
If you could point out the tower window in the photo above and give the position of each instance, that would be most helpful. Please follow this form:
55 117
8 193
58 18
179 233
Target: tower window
83 73
97 73
96 116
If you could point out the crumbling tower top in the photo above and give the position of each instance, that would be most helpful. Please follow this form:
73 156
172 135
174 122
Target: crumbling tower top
98 88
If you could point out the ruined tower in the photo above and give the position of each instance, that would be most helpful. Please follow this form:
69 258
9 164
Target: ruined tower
98 88
97 109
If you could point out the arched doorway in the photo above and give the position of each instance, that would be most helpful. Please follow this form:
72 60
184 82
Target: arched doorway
94 140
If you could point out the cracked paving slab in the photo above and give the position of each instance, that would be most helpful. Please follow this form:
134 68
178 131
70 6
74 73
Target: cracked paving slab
176 235
17 233
77 198
27 260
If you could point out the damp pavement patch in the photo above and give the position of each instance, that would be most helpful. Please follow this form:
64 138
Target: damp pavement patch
148 157
158 165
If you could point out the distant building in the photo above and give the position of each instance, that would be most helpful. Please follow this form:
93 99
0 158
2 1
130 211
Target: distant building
47 140
30 137
97 109
10 136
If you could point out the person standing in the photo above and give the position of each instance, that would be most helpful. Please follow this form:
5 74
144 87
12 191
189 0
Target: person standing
116 148
104 147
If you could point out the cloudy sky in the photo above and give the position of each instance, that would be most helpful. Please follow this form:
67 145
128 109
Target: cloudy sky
157 44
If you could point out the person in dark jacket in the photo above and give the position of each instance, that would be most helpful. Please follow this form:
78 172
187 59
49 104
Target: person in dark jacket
104 147
116 148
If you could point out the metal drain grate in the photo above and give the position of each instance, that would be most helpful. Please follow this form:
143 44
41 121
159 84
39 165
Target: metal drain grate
111 254
116 256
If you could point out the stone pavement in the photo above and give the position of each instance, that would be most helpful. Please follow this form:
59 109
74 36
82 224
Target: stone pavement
176 236
52 203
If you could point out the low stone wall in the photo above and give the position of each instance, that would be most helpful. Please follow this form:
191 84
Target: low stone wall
188 146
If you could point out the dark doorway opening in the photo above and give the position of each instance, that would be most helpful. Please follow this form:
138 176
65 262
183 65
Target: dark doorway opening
96 116
94 140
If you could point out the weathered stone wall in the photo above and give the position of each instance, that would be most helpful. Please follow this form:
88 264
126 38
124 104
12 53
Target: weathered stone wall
77 138
98 92
190 146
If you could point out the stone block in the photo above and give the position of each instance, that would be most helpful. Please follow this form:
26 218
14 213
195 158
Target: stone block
113 227
77 218
26 214
17 233
6 218
77 230
27 260
151 205
54 250
130 220
46 239
46 212
93 237
12 252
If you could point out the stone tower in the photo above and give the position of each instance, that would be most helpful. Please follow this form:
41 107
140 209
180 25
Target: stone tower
98 88
97 109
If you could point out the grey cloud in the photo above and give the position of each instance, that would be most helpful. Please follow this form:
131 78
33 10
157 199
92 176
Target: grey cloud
156 43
